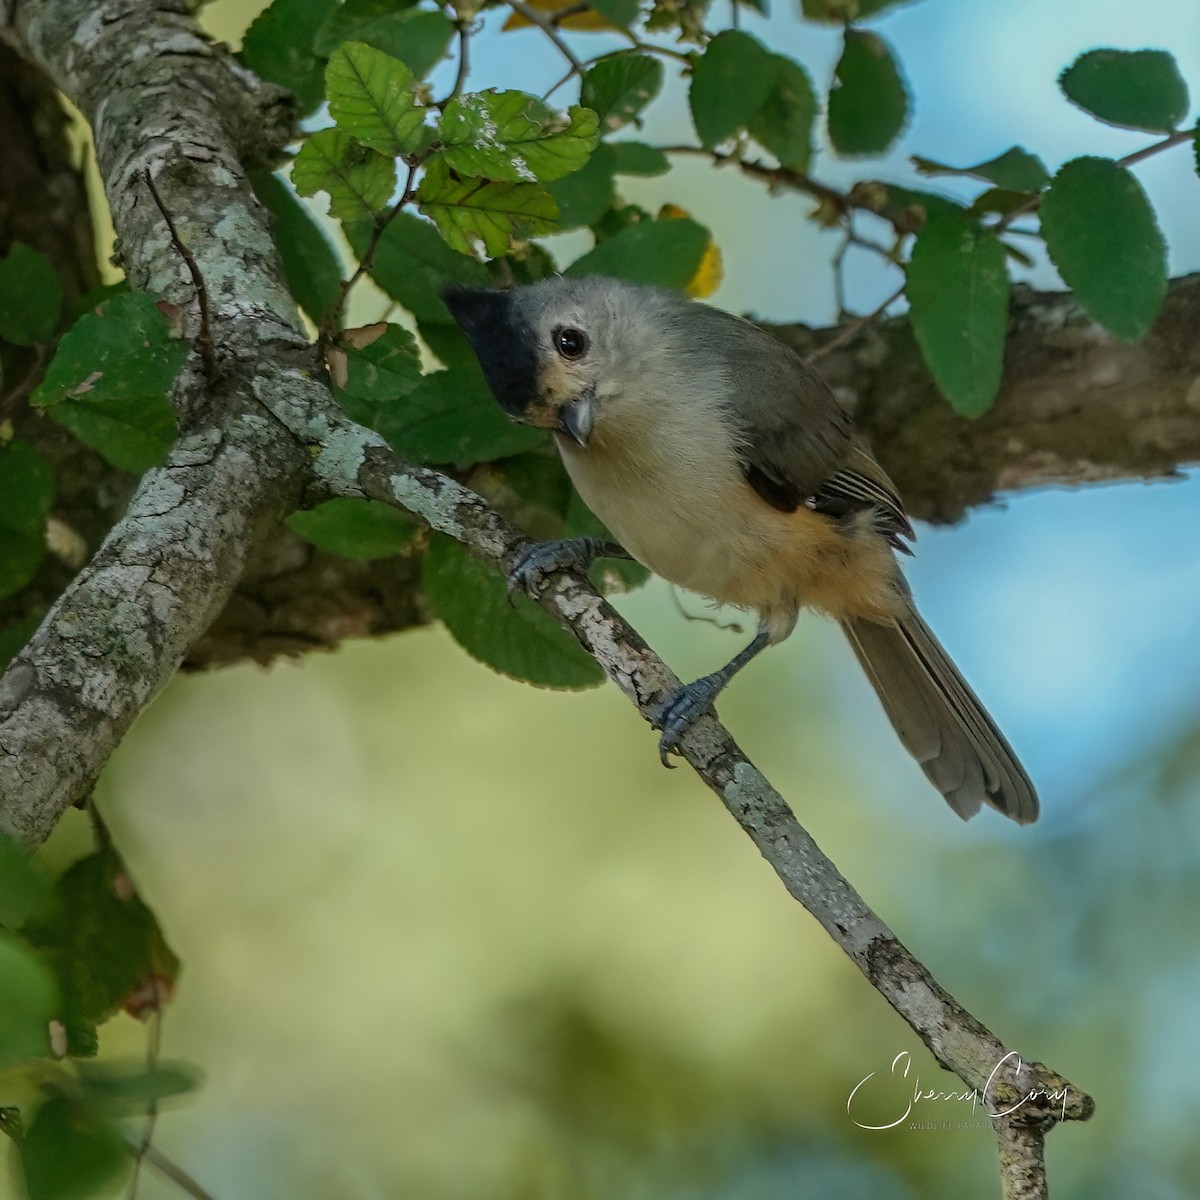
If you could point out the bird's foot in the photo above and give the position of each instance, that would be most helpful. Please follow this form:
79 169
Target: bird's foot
682 708
538 561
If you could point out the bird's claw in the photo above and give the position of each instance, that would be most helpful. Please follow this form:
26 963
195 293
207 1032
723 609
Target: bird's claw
680 710
539 560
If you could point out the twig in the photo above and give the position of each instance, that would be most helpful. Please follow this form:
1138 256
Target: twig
549 29
849 332
572 10
171 1169
364 263
153 1047
464 64
204 339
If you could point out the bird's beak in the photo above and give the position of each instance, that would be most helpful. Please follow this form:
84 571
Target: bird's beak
577 418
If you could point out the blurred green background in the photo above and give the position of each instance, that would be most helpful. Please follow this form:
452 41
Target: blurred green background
445 935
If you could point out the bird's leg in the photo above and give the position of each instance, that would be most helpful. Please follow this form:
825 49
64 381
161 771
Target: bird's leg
686 705
541 559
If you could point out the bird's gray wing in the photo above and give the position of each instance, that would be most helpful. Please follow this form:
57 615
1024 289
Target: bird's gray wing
798 446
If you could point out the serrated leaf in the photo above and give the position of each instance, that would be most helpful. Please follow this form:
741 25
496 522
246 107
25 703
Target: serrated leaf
784 123
958 295
1101 233
344 21
1016 170
30 1001
621 13
469 211
30 296
584 196
667 253
101 943
519 640
617 89
371 97
25 891
636 158
109 379
730 84
379 374
279 47
361 529
360 181
868 103
452 417
26 494
418 38
310 263
412 264
71 1152
1135 89
513 136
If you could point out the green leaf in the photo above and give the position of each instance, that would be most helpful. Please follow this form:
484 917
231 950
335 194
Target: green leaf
25 891
360 182
519 640
310 263
371 97
418 38
452 417
636 158
279 47
109 379
584 196
730 84
868 104
102 943
621 13
784 124
378 372
26 494
71 1152
346 19
30 1001
30 296
123 1092
667 253
469 211
1136 89
362 529
1016 170
958 292
412 264
617 89
1102 236
515 137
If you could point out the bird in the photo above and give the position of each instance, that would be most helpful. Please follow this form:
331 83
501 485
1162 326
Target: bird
717 458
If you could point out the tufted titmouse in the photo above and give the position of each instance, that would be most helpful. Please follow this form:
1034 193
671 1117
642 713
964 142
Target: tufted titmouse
722 462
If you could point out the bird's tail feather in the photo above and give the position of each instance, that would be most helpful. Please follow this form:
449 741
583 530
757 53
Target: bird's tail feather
940 720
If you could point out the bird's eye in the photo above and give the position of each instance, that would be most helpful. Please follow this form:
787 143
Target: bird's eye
570 343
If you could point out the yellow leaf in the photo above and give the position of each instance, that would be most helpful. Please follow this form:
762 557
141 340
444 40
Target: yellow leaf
588 21
711 270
